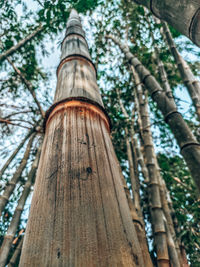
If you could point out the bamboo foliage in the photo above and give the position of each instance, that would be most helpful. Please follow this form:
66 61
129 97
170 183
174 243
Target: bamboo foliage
22 42
190 148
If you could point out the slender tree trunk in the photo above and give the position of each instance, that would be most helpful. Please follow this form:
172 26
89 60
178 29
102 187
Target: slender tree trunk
8 239
14 48
5 166
190 148
160 237
191 83
15 257
135 184
79 213
28 85
183 15
139 226
12 183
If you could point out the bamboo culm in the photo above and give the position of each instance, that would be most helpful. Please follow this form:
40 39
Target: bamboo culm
183 15
160 236
16 254
190 148
7 242
12 183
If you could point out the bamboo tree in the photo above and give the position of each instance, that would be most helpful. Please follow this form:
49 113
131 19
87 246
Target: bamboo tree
191 83
135 184
160 236
16 254
9 160
139 226
8 239
190 148
183 15
14 180
79 214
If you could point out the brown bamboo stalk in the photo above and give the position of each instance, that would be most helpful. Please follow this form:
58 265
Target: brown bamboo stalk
183 15
12 183
9 160
133 177
174 260
79 214
8 238
28 85
16 254
139 226
160 236
190 148
14 48
191 83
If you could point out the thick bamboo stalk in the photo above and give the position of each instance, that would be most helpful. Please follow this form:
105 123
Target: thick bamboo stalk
190 148
14 48
183 15
12 183
15 257
9 160
191 83
8 238
79 214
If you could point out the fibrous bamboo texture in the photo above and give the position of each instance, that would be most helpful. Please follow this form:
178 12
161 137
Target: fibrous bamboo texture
79 215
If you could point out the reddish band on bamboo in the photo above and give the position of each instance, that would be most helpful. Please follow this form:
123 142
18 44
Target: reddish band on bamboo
76 103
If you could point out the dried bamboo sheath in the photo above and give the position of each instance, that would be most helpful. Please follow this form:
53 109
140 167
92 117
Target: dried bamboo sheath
79 214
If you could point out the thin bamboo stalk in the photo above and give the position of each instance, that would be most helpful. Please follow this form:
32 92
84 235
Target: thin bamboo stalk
8 238
191 83
15 257
190 148
9 160
12 183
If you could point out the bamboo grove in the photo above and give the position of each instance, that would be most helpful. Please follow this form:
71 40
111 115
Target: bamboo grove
118 75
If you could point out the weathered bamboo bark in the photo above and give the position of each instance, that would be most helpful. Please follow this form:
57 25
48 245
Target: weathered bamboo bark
160 236
191 83
8 239
190 148
14 48
183 15
15 257
79 213
12 183
5 166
